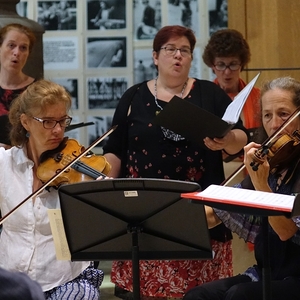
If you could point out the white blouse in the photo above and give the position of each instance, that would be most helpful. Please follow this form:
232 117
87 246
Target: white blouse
26 242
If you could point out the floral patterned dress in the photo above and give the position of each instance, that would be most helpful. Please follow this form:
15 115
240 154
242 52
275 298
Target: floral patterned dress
147 152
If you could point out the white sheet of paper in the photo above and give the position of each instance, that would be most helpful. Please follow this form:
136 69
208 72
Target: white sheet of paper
234 109
59 235
250 197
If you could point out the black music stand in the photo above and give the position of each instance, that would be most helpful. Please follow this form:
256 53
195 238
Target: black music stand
133 219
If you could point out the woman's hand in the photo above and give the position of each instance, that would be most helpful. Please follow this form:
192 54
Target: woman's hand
259 177
232 142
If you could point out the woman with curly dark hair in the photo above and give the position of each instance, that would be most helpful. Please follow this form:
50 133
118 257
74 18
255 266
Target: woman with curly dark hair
227 53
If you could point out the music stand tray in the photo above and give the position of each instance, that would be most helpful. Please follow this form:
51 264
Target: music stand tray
133 219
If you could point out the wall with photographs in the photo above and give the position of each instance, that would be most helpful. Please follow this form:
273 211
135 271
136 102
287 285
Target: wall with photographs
98 49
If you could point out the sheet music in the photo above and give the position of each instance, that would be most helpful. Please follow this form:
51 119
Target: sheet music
234 109
248 197
59 235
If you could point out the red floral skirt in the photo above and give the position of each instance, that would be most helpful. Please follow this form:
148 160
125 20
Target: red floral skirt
169 278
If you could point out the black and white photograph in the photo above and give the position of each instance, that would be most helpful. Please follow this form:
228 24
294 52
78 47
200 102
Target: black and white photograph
73 132
21 9
196 66
57 15
147 18
105 92
218 15
60 53
184 13
106 52
71 85
144 68
101 125
108 14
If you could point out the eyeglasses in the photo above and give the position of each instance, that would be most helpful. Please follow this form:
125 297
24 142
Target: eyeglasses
223 67
49 124
170 50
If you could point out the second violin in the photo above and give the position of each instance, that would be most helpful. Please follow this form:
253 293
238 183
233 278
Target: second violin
280 153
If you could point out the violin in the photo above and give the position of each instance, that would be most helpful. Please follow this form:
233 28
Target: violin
60 172
89 167
280 153
281 150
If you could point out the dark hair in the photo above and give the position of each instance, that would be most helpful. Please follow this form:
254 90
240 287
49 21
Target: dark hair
36 98
226 43
168 32
21 28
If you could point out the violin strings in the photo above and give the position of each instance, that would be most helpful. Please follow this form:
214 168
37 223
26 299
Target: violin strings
88 170
83 168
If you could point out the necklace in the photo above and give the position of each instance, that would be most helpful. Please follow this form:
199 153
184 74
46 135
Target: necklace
169 134
155 94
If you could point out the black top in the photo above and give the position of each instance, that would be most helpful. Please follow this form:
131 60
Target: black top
6 98
146 153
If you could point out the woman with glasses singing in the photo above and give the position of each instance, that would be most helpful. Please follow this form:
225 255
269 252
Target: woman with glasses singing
39 117
140 149
227 53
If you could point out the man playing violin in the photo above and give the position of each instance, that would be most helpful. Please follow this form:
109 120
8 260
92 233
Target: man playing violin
280 98
39 117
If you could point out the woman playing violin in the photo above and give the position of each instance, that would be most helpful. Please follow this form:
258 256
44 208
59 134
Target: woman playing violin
39 117
279 99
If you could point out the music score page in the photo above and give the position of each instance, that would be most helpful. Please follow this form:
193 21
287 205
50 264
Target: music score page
244 197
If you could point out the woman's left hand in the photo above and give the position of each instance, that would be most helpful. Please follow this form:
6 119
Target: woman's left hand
259 177
232 142
216 144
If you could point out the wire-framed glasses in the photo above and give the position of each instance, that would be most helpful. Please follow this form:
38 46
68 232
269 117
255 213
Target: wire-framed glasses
171 50
49 124
223 67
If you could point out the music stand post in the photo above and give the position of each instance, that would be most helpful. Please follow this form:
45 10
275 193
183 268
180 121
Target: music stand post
135 230
134 219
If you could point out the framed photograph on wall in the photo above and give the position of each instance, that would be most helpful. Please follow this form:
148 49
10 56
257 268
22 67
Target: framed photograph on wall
109 14
108 52
71 85
218 15
147 19
57 15
105 92
74 133
144 68
184 13
102 124
61 53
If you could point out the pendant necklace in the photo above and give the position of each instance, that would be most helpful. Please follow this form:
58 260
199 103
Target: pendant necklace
169 134
155 94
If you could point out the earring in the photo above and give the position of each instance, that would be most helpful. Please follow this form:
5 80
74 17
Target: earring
27 134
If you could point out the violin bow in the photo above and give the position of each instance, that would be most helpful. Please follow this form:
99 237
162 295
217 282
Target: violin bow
95 143
269 140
